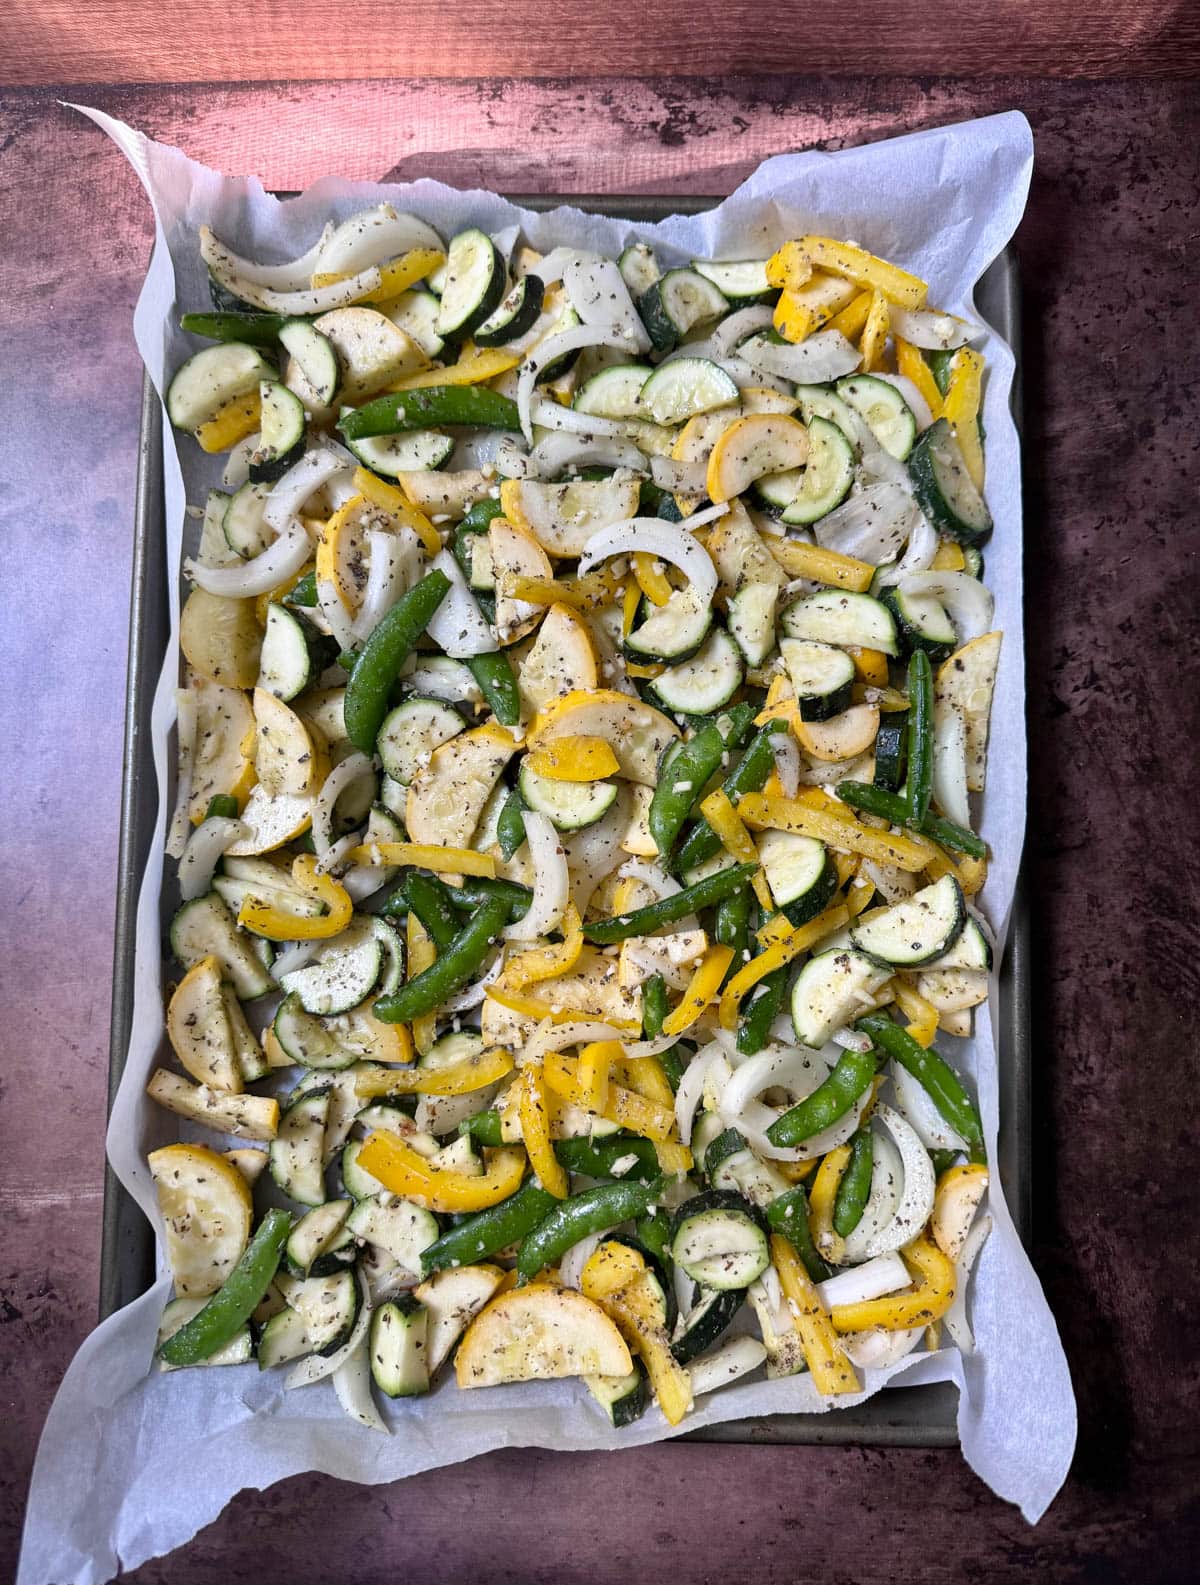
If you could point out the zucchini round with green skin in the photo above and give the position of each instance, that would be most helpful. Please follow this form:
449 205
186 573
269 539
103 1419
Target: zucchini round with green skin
917 931
281 433
822 676
750 615
568 805
827 477
639 268
623 1398
475 283
411 732
706 682
316 373
741 282
944 489
285 663
245 530
567 320
922 623
819 401
672 632
306 1040
295 1155
416 313
891 750
348 970
682 387
517 313
318 1319
210 379
708 1321
884 411
838 616
398 1350
205 928
719 1239
399 1228
972 950
319 1245
676 303
800 873
614 392
420 450
829 991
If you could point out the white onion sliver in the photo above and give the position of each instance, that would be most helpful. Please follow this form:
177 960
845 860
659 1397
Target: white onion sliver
600 297
554 416
734 328
570 1267
885 1274
563 453
735 1357
236 471
385 582
549 1036
302 301
337 619
292 490
653 876
875 1349
873 524
851 1040
691 1086
887 1172
786 753
950 764
281 560
204 847
355 767
916 1105
825 355
910 393
663 540
295 955
186 718
915 1202
552 882
932 331
595 851
458 626
957 1325
373 237
317 1366
554 347
922 548
472 995
552 266
352 1383
968 602
686 478
294 275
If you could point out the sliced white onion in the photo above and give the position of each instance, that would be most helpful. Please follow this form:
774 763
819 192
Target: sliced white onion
552 266
825 355
850 1040
299 300
736 1356
916 1105
875 1349
595 851
303 478
204 847
653 876
885 1274
563 453
512 460
549 1036
743 375
317 1366
551 884
295 955
915 1202
691 1085
684 1287
950 763
458 626
554 347
335 615
735 327
786 753
633 1049
687 478
957 1325
969 603
186 717
600 297
236 471
295 274
352 1383
354 768
922 548
908 390
893 884
873 524
837 1133
282 559
932 331
472 995
670 542
887 1179
373 237
547 414
795 1068
385 580
570 1267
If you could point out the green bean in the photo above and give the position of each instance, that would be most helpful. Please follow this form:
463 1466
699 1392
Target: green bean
255 330
235 1300
788 1214
731 928
366 701
828 1102
932 1072
593 1211
479 1236
427 897
430 408
510 828
891 806
479 890
750 775
597 1158
854 1186
920 735
645 921
450 972
689 771
222 806
486 1127
303 593
761 1011
494 674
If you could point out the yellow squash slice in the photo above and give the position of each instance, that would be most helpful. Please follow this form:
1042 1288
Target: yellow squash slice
540 1333
206 1206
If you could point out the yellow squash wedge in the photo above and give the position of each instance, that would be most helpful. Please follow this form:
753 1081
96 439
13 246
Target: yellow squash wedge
446 797
206 1206
637 732
539 1333
752 446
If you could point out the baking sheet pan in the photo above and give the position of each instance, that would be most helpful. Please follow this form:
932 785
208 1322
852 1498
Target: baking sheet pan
898 1417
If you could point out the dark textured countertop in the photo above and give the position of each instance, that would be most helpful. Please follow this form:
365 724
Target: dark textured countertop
1108 256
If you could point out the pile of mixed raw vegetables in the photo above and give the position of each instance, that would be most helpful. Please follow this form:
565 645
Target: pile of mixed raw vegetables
587 673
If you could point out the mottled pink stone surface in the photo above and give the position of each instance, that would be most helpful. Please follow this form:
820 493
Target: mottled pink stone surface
1108 256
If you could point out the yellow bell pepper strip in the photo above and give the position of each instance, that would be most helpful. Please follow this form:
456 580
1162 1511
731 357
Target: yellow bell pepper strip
535 1132
853 317
911 364
473 368
530 1007
789 267
875 333
846 865
639 1115
402 1171
866 270
702 987
870 665
545 963
574 759
972 873
796 1171
922 1015
672 1156
391 498
832 1372
635 668
589 593
821 1201
621 1287
785 942
594 1071
806 308
396 276
422 954
651 580
630 601
426 856
790 814
459 1078
858 896
799 560
897 1312
239 417
277 924
961 409
574 1085
948 557
721 815
645 1075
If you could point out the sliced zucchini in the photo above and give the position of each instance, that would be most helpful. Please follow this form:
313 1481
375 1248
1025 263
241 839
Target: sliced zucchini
563 517
569 805
750 615
822 676
917 931
258 877
439 677
614 392
418 450
944 489
800 873
348 970
819 401
411 732
245 531
676 303
399 1347
882 407
972 950
706 682
211 378
719 1239
281 433
205 928
318 1245
475 283
891 750
838 616
623 1398
567 320
922 622
306 1040
683 387
639 268
312 371
517 313
297 1151
285 666
454 1298
828 474
708 1320
397 1227
740 281
416 314
318 1317
673 632
832 989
